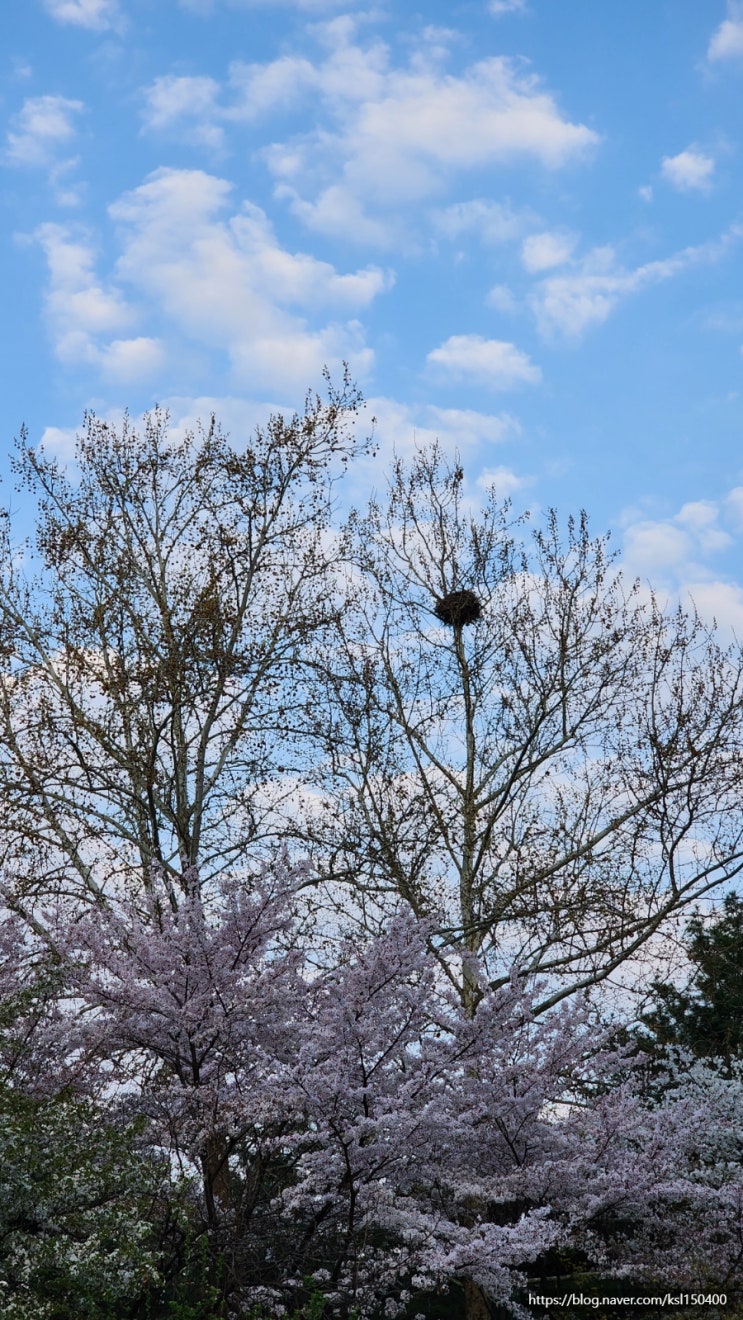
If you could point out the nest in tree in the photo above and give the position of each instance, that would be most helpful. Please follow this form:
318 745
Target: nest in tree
458 608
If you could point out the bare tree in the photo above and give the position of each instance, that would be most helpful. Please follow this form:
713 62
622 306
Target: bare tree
517 744
501 733
152 644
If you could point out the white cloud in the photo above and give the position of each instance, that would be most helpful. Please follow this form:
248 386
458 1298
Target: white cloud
60 441
652 547
258 89
306 6
502 299
676 555
43 126
465 427
400 145
504 479
734 502
719 602
190 102
698 515
79 309
492 222
223 281
199 108
500 7
726 42
583 297
382 136
401 428
724 317
238 416
385 136
128 360
96 15
543 251
493 362
67 192
82 312
690 171
404 426
337 211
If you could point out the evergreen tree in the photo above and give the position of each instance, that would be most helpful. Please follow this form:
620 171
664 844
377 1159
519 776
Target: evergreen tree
707 1015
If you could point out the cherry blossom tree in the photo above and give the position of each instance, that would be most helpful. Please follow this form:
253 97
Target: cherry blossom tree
655 1189
339 1117
354 1129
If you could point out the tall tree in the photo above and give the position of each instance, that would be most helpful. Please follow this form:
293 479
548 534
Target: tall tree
152 644
525 750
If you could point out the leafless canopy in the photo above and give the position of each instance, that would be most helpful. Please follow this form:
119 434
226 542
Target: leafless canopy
153 643
551 783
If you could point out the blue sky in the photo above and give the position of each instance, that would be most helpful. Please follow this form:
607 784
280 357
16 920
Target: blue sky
520 221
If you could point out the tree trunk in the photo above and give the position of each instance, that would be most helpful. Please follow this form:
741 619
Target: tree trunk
476 1305
216 1172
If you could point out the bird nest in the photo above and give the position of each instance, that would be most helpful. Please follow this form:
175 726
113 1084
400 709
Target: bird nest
458 608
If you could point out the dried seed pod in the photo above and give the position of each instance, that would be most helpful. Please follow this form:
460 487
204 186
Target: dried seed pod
458 608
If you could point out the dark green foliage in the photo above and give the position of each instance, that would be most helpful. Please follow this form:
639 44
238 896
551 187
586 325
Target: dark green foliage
78 1200
706 1017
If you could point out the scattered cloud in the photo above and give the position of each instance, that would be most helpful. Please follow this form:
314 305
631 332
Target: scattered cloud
221 279
96 15
399 138
690 171
700 516
44 126
402 428
128 360
502 299
206 7
259 89
199 108
651 547
493 362
82 312
385 136
505 481
678 553
491 222
718 602
498 8
722 317
79 309
543 251
572 302
726 42
466 426
645 192
189 104
60 441
213 277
